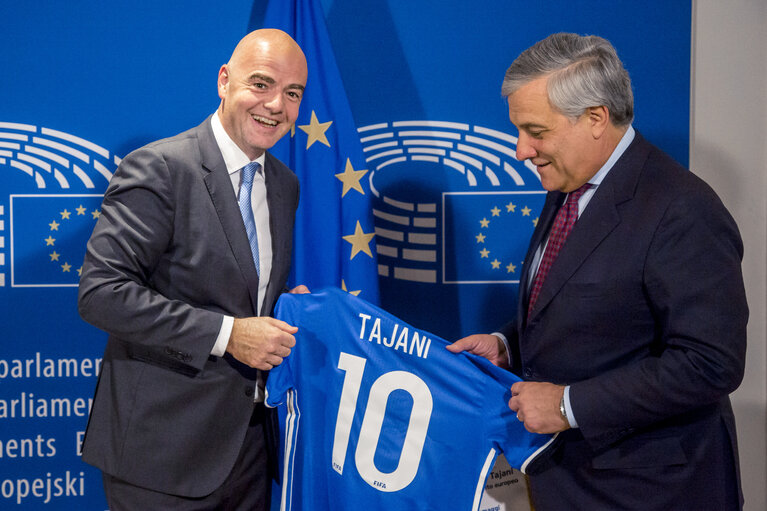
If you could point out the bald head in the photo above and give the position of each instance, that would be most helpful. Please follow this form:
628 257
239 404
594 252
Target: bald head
261 89
266 40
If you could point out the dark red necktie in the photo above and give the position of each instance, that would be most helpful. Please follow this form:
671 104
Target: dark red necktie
563 224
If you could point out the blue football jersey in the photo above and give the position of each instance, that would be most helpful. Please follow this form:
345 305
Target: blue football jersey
382 416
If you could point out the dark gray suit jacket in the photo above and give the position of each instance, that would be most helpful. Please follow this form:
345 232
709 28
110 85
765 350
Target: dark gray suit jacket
167 259
644 314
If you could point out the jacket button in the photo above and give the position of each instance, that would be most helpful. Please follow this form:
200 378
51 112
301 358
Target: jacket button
249 391
528 373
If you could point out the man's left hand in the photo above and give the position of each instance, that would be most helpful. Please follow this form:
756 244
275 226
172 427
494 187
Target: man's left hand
537 406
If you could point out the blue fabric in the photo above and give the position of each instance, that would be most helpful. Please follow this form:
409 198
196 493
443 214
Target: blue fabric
335 190
419 427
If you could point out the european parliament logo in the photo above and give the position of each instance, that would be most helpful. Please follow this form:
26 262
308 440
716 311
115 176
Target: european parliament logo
453 204
51 194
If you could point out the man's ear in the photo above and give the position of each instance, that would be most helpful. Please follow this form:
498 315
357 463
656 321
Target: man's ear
599 120
223 81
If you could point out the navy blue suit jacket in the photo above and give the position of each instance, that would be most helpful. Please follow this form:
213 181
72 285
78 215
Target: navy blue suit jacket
643 314
168 258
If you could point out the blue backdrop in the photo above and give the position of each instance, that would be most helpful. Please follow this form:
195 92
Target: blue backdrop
85 82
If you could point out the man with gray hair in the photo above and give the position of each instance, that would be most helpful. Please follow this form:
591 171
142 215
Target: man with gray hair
630 331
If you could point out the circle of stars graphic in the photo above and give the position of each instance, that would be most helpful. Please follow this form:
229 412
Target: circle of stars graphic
484 225
54 226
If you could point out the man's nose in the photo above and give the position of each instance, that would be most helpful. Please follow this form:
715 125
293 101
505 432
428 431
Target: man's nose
275 103
525 149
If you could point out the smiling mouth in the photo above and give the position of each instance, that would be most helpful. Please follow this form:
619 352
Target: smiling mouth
264 121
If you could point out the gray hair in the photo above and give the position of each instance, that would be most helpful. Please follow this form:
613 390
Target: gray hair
584 71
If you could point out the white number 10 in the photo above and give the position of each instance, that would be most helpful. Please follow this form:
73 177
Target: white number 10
372 420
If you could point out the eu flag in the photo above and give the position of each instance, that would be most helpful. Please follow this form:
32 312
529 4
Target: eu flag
334 236
48 238
486 234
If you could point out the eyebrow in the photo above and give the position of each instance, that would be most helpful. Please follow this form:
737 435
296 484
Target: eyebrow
531 125
271 81
259 76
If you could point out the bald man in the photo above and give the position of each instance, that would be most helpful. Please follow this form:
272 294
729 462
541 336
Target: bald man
182 271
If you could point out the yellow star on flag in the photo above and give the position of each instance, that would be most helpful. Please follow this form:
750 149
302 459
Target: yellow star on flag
65 214
484 222
50 240
351 178
495 211
316 131
54 226
526 211
80 210
510 207
96 213
360 241
496 264
66 267
54 256
480 238
484 252
511 268
343 288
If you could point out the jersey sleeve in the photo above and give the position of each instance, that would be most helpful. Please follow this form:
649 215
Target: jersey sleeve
280 378
278 383
523 450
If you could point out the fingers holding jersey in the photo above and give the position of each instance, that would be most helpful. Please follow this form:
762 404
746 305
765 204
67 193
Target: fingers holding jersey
485 345
537 406
261 342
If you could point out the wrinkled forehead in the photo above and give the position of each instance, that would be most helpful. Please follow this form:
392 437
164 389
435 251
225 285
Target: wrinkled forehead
280 59
530 102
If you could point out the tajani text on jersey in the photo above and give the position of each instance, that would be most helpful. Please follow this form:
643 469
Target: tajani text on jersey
399 338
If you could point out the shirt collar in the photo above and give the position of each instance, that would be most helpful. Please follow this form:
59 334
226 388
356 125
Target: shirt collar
234 157
624 143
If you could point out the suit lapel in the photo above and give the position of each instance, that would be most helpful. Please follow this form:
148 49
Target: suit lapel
550 207
595 223
280 233
224 200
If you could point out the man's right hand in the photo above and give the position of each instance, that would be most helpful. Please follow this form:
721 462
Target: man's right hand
261 342
485 345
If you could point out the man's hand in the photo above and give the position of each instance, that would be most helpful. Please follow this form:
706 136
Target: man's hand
484 345
537 406
261 342
300 290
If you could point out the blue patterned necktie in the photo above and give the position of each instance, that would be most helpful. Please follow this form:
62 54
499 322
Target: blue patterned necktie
246 210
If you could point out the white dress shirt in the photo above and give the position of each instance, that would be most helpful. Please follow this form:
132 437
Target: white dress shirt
235 159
